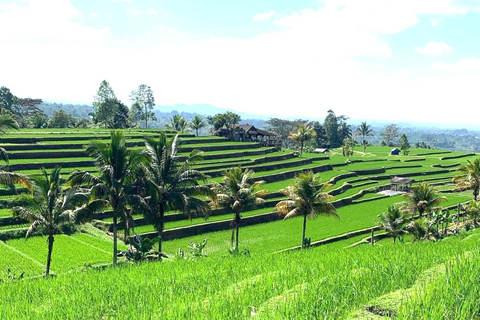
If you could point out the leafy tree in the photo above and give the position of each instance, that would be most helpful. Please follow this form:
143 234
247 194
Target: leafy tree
39 119
302 134
142 104
348 145
170 184
320 135
227 119
470 177
364 130
108 109
404 145
393 222
236 192
390 133
118 168
197 123
307 198
50 206
283 128
177 123
336 129
423 198
7 100
61 119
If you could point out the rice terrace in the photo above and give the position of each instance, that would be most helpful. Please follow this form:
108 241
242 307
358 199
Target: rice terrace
341 275
234 159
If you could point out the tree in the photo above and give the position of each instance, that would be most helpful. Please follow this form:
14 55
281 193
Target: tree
118 168
39 119
473 211
7 121
49 206
365 131
423 198
302 134
7 100
108 109
390 133
307 198
61 119
172 185
470 177
177 123
236 192
321 140
143 103
227 119
283 128
393 222
331 129
197 123
404 145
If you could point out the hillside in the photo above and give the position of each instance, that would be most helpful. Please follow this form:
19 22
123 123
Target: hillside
355 181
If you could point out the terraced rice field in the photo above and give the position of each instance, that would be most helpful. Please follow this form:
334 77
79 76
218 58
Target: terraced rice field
353 179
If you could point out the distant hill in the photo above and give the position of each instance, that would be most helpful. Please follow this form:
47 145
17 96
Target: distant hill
205 109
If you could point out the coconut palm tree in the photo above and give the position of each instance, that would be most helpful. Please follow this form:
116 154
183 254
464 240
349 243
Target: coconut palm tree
473 211
423 198
302 134
307 198
177 123
7 121
236 192
470 177
170 184
365 131
393 222
118 168
50 206
197 123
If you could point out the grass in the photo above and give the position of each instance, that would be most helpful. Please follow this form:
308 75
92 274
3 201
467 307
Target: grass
328 282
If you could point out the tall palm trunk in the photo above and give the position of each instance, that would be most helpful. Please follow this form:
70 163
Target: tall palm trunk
304 230
475 193
114 237
49 255
161 210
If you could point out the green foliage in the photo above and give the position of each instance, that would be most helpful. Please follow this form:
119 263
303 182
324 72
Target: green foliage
389 133
227 119
197 249
177 123
140 249
197 123
336 129
469 177
393 222
142 104
61 119
364 130
307 198
303 133
109 111
404 145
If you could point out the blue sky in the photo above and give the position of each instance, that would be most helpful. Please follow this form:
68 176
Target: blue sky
409 60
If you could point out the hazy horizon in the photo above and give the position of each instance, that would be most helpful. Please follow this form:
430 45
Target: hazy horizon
412 61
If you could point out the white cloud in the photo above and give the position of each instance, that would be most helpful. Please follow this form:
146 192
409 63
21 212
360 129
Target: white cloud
308 67
435 22
151 11
433 48
264 16
463 65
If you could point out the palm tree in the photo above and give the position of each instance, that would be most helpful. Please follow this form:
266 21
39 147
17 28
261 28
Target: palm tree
307 198
118 169
49 206
197 123
172 185
302 134
364 130
7 121
177 123
473 211
236 192
393 222
470 178
423 198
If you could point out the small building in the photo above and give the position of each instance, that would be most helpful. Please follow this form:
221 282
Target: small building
395 152
401 184
248 133
320 150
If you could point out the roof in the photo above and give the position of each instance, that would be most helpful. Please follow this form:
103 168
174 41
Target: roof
395 149
399 180
320 150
